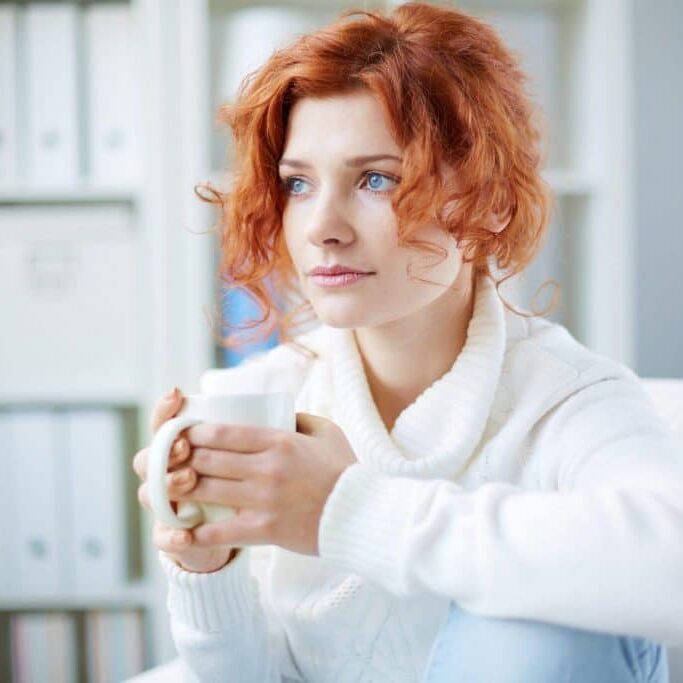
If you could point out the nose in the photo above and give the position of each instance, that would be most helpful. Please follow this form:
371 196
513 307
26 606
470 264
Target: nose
328 221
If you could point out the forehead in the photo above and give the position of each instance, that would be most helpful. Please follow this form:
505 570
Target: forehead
354 122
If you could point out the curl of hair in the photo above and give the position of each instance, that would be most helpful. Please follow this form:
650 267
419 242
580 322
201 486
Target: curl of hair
455 97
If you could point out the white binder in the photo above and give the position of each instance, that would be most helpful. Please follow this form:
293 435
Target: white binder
75 272
38 541
248 36
114 645
8 572
95 462
8 96
113 95
52 96
43 647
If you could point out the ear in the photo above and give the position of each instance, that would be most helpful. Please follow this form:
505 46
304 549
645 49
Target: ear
498 223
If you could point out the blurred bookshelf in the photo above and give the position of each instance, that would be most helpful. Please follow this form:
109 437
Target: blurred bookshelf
112 278
66 195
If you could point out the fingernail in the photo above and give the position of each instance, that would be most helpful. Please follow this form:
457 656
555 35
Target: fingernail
179 537
181 477
179 448
173 394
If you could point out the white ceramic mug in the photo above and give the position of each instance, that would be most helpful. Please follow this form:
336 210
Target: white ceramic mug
267 409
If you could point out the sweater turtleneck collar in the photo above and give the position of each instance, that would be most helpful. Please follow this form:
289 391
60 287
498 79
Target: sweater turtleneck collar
435 435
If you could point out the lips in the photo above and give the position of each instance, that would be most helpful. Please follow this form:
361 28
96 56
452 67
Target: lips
337 269
339 280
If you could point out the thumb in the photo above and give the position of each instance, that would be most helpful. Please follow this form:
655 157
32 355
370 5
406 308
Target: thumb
166 407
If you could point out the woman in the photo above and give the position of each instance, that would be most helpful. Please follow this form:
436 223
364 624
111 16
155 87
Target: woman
471 494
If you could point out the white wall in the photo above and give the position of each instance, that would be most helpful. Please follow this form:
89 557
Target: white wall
658 58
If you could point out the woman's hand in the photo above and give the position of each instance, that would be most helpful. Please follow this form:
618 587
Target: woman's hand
277 481
177 543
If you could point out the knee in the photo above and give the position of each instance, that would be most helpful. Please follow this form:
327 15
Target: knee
486 649
533 638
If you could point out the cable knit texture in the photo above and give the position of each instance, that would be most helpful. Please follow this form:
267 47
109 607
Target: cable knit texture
470 385
532 480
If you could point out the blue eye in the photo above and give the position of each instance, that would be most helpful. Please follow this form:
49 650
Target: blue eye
377 176
295 186
291 182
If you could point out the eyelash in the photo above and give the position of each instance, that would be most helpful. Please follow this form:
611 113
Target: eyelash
288 179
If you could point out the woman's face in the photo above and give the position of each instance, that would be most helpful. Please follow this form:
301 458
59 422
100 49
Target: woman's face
338 211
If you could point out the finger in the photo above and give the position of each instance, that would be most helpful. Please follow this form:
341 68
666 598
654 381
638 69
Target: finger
225 464
143 497
177 483
165 408
181 481
140 463
243 438
180 451
244 528
228 492
168 538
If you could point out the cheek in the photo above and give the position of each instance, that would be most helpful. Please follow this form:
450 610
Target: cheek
380 234
291 239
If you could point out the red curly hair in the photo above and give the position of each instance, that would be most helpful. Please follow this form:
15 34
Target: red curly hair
454 95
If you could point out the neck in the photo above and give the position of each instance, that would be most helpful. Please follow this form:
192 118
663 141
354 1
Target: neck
403 358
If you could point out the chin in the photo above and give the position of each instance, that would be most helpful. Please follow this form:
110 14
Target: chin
341 317
340 322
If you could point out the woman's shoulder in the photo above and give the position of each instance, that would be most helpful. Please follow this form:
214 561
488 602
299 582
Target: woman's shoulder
588 411
283 367
543 358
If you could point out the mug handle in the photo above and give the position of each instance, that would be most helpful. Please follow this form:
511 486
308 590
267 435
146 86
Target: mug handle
189 513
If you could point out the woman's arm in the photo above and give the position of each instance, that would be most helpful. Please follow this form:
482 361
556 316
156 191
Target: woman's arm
219 627
216 619
604 552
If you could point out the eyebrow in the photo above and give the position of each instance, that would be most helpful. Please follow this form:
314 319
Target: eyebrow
353 161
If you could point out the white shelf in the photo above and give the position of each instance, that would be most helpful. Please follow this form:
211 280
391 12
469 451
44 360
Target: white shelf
514 5
109 398
68 195
221 6
135 595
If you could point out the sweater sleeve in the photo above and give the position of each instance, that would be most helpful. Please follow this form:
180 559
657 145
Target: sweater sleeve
602 552
216 619
218 625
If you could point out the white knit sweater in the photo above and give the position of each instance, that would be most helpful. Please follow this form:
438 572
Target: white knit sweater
533 480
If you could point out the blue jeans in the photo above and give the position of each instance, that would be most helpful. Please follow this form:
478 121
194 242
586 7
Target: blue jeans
474 649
